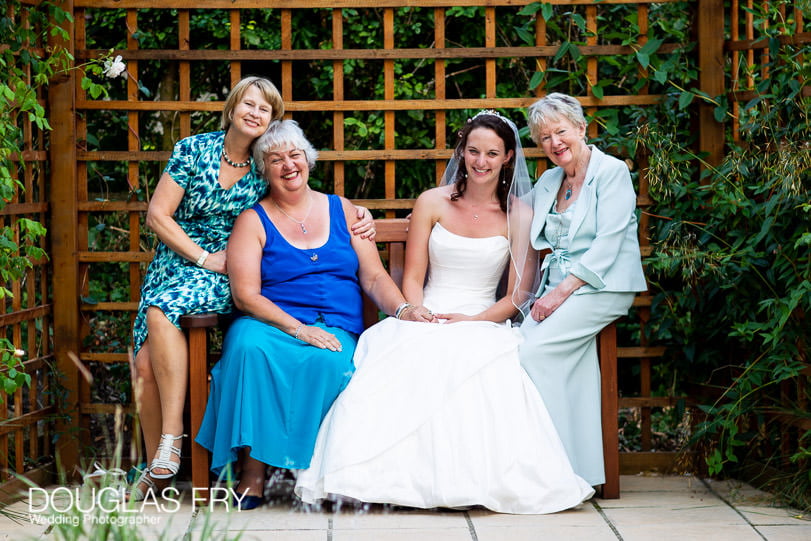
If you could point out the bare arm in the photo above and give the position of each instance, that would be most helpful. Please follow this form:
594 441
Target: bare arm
245 271
160 218
423 217
376 282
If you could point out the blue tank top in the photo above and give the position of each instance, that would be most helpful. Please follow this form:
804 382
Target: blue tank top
314 284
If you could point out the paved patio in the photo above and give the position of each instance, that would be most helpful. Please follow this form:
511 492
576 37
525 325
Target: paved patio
651 507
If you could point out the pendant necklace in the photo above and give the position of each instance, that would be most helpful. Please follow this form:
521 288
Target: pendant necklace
225 157
568 193
299 222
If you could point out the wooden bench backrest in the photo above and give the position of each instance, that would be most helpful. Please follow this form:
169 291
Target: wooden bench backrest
393 232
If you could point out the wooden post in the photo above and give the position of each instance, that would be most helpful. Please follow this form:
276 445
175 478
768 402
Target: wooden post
197 326
607 344
63 234
711 76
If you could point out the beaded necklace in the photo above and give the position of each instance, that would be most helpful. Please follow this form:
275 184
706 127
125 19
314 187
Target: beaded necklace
225 157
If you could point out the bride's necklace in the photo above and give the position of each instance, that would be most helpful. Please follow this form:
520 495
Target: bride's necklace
225 157
299 222
475 215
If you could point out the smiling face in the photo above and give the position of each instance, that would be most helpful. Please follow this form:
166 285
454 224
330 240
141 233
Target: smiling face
286 168
484 156
252 114
562 141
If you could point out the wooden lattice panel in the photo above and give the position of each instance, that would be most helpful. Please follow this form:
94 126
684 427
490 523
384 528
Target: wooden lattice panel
25 317
114 180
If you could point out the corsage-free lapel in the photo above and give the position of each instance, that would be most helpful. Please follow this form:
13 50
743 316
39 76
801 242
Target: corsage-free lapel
587 193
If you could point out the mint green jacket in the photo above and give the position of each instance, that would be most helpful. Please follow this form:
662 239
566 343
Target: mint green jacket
603 242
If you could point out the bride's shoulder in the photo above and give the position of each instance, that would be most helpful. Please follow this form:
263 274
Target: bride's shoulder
434 196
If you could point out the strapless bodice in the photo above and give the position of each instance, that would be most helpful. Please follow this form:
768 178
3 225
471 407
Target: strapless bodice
464 272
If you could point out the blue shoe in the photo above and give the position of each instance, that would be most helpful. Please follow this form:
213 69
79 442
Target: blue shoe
247 502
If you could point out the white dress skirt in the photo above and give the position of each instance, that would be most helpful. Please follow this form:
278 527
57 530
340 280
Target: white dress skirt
443 415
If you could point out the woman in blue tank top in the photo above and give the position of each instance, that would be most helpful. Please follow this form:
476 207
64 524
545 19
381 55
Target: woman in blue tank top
296 277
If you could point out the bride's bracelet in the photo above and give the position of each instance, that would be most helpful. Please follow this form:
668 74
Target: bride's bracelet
402 309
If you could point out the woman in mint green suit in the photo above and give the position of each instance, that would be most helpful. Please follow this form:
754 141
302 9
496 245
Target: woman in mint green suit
585 219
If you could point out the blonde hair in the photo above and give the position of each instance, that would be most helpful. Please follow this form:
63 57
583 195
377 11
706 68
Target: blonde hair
268 90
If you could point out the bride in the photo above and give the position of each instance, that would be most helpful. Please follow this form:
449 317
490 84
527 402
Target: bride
443 415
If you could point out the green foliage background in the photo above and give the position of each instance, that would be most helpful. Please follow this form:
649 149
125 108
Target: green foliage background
731 261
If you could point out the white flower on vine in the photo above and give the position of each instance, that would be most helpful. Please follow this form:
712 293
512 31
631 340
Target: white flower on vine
114 68
19 352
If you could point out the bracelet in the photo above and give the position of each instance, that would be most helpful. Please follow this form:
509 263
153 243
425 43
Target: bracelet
202 259
401 309
298 329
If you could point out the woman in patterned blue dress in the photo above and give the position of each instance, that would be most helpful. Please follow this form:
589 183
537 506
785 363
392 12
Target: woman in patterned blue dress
208 181
296 277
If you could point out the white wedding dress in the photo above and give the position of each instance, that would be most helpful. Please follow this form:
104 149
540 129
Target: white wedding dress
443 415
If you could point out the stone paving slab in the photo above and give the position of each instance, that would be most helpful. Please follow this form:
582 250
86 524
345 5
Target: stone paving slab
651 507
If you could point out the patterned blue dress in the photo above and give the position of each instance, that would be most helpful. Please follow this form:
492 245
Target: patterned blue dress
206 213
270 391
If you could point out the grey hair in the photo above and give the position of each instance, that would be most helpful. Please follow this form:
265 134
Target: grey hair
283 134
552 107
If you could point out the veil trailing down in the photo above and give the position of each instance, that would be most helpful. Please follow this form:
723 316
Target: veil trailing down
442 414
523 259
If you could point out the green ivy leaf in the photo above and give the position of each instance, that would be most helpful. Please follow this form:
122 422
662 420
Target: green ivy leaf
598 92
685 99
660 76
561 51
643 59
526 36
9 385
547 11
537 78
651 46
530 9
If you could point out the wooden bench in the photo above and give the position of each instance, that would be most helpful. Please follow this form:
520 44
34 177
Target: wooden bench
392 233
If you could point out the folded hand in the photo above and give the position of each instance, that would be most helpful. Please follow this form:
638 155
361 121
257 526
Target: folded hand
421 314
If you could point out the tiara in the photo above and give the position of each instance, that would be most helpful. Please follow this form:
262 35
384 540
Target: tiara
491 112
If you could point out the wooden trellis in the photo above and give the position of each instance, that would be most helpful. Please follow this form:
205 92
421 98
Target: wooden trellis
75 206
27 428
487 55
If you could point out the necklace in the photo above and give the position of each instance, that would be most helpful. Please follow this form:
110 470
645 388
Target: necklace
299 222
225 157
568 194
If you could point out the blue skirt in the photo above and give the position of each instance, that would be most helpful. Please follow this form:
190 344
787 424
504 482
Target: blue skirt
269 392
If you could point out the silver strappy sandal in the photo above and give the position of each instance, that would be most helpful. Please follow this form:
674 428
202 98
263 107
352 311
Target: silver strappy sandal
163 458
136 494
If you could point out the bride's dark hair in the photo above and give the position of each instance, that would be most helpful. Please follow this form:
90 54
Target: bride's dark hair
496 123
